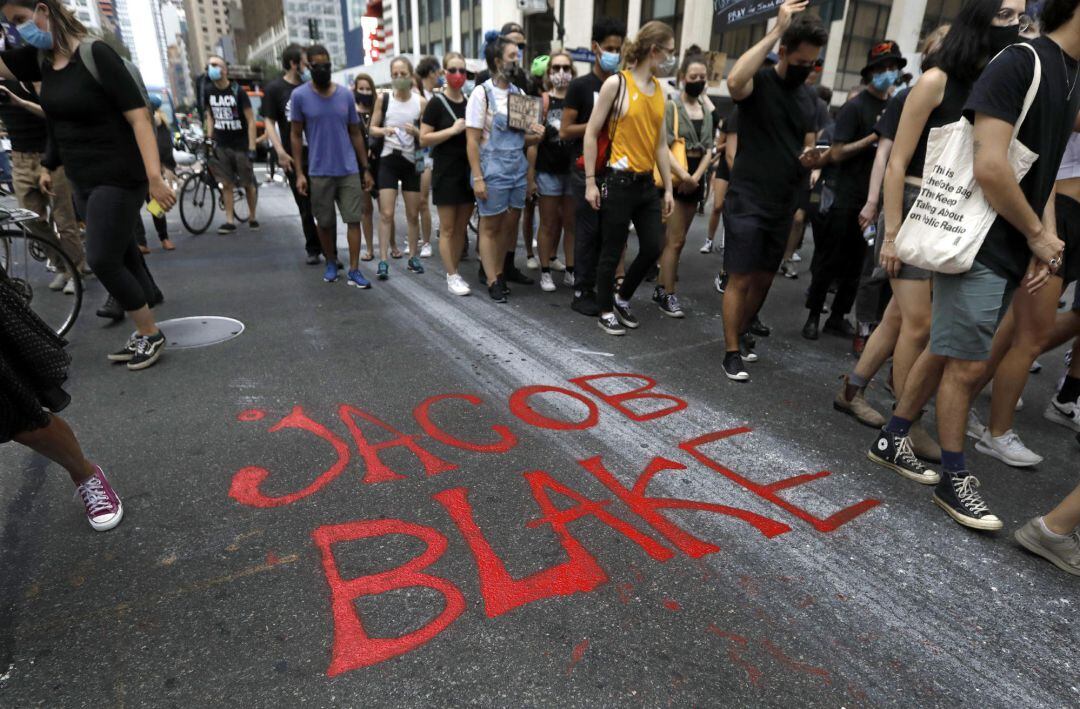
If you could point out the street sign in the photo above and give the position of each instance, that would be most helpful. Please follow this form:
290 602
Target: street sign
581 55
733 13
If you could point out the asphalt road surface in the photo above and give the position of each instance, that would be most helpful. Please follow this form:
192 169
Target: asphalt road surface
531 539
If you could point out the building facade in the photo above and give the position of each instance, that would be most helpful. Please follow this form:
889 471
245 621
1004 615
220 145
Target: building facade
207 22
270 25
88 14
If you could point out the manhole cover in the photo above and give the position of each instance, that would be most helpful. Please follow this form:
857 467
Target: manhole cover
182 333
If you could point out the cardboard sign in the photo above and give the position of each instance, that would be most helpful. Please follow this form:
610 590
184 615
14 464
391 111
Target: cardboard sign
523 111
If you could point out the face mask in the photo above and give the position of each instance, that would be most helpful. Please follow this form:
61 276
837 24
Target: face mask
609 62
455 81
401 84
35 36
885 79
441 82
509 71
560 80
214 73
667 66
796 75
470 84
320 76
365 100
1000 37
694 88
305 75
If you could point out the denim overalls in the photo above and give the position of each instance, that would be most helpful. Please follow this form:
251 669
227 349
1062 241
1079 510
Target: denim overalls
502 162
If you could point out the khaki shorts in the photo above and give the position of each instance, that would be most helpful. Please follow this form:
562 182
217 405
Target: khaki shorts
232 167
346 192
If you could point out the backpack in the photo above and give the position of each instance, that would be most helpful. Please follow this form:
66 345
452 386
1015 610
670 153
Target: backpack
86 55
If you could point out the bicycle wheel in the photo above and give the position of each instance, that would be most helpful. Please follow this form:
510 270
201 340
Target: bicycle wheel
197 203
26 260
240 205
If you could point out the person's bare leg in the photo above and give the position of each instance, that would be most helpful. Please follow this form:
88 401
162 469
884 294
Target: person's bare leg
511 224
549 229
144 321
913 300
526 221
368 221
719 192
58 443
569 205
798 227
880 345
1066 327
492 245
674 241
448 238
412 220
387 200
922 382
227 192
1065 518
735 297
459 231
252 192
328 242
352 233
761 283
958 382
425 206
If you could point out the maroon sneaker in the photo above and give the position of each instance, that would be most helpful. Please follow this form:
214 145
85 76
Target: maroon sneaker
103 507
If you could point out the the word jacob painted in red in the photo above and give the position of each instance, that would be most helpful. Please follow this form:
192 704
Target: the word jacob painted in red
630 396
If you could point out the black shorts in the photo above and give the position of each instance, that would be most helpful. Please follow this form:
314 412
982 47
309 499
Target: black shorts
723 172
755 235
697 195
1067 213
450 184
396 168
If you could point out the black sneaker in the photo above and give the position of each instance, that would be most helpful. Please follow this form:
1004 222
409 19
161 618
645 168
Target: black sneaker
312 260
625 316
585 303
669 305
658 294
111 310
127 353
497 291
610 324
720 282
838 326
734 369
759 328
513 275
958 494
810 329
147 351
894 452
746 348
227 228
253 224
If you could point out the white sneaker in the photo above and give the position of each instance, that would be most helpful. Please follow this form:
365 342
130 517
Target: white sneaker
796 257
425 251
69 287
975 428
532 263
59 281
1020 403
557 265
706 248
457 285
1067 415
546 283
568 280
1009 449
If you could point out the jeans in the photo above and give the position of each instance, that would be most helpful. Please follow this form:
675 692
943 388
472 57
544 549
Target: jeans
840 259
625 198
307 221
586 236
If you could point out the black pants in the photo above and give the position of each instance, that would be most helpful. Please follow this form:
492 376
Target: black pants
303 204
161 226
586 236
840 259
629 198
111 249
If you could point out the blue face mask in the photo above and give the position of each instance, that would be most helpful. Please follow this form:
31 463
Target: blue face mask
469 85
305 75
441 82
609 61
214 73
35 36
885 79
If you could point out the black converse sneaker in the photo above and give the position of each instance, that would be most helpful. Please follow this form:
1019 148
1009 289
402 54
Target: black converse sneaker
625 316
148 350
658 294
669 305
958 494
894 452
734 369
611 325
746 348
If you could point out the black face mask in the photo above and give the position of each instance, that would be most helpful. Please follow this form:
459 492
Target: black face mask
365 100
1001 37
796 75
320 75
694 88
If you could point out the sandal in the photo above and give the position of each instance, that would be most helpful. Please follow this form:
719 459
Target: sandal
396 253
367 256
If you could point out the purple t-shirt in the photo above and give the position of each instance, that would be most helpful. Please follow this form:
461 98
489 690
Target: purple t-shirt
326 126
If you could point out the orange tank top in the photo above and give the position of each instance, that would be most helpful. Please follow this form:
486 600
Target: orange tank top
637 130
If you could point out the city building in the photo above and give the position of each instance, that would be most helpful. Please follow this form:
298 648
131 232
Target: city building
177 67
270 25
88 14
207 22
123 23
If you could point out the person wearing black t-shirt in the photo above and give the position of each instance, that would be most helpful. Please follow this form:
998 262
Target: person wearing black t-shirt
230 123
442 129
775 149
275 112
854 144
608 36
100 131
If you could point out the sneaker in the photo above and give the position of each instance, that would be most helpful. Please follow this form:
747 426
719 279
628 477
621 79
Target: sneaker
357 280
546 283
111 310
103 507
810 329
253 224
747 343
1061 551
59 281
610 324
532 264
658 294
383 271
516 276
625 315
568 279
796 257
585 303
312 260
1009 449
457 285
838 326
734 369
414 265
227 228
69 287
557 265
1036 367
669 305
923 444
720 282
975 427
331 273
147 352
1067 415
706 248
788 270
497 291
425 251
858 407
959 496
127 352
894 452
759 328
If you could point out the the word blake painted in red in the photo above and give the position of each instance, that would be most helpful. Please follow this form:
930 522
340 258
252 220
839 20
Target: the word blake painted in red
354 648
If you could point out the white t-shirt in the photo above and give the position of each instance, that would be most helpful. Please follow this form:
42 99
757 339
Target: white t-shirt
1070 161
401 113
479 115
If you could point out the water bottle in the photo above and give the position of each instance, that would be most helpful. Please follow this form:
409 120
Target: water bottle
869 234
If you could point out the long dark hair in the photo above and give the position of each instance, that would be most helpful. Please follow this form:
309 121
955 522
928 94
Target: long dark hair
966 48
493 49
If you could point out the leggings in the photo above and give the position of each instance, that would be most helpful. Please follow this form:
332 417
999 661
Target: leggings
628 198
111 250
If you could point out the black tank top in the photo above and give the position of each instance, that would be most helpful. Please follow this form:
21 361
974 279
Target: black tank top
948 111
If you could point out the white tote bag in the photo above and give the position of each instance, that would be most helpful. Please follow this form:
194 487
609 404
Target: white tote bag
946 225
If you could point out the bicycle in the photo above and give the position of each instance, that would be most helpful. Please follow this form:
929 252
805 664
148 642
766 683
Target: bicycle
31 263
201 194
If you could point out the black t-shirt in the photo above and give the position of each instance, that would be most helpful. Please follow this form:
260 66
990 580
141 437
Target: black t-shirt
889 122
226 108
449 153
580 96
275 105
855 121
553 155
999 93
772 125
94 140
27 131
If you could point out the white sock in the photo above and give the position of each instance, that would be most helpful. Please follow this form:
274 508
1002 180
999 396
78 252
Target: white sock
1048 532
620 302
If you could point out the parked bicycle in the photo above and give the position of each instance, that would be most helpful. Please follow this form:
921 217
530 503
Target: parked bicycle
201 195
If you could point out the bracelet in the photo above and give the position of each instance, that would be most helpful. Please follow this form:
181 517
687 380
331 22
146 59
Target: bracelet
590 177
478 179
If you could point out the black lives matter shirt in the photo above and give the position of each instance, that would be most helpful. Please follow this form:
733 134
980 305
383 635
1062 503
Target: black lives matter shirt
226 107
855 121
772 125
86 118
581 96
999 93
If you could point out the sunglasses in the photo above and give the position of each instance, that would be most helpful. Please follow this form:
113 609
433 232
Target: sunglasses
456 70
565 68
